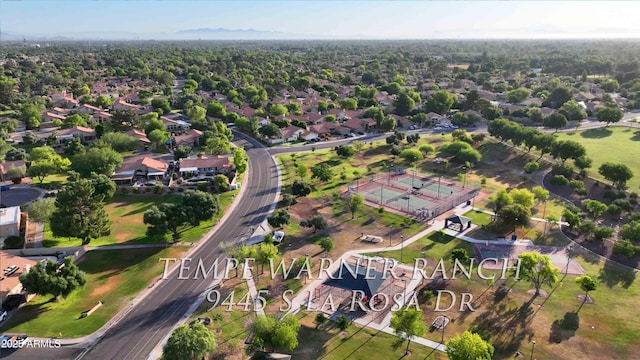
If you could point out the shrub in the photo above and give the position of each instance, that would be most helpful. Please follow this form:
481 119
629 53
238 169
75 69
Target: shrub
587 227
623 204
626 249
575 183
174 176
608 194
560 169
531 167
477 137
136 190
14 242
559 180
124 190
180 189
614 209
158 189
147 189
602 232
483 181
582 191
202 187
633 195
381 210
608 187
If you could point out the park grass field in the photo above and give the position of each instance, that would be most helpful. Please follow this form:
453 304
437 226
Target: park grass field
126 213
113 277
613 144
510 317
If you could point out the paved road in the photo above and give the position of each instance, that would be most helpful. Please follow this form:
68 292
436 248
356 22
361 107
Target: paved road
150 320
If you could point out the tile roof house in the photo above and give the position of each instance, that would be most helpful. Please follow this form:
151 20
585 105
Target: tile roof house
140 135
5 166
359 125
11 278
85 133
175 125
189 138
145 167
206 166
122 104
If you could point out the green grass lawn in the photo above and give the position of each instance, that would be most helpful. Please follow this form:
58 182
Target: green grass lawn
113 277
612 144
126 212
435 245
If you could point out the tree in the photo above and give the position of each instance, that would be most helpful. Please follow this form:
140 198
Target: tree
156 221
345 151
300 188
217 145
269 130
469 345
518 95
322 172
157 137
199 206
317 222
586 283
162 104
41 209
537 269
544 143
439 102
558 97
388 123
181 152
80 212
540 193
403 104
301 170
349 104
189 342
197 113
602 232
407 322
240 160
427 148
279 218
16 173
265 252
216 109
320 319
514 215
523 197
276 334
461 151
74 120
461 255
16 154
121 142
411 155
103 101
555 121
617 173
327 244
53 278
99 160
154 124
500 200
343 322
42 169
572 218
594 207
567 149
74 147
610 85
573 111
609 114
31 116
354 203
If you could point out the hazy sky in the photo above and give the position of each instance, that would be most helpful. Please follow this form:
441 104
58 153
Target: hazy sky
342 19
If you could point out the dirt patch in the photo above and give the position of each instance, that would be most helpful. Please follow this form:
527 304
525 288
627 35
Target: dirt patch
111 283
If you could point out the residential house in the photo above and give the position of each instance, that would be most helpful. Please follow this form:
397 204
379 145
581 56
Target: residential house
48 117
189 138
205 166
547 111
402 121
10 219
291 133
309 135
357 125
5 166
140 135
84 133
88 109
175 126
140 168
102 116
123 105
13 267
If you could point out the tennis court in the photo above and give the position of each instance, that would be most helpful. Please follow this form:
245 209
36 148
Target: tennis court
430 187
405 201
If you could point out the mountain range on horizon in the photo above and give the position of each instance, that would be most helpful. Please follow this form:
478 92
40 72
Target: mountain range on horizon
185 34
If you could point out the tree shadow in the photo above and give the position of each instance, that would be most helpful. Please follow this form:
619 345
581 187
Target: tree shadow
613 274
636 136
564 329
596 133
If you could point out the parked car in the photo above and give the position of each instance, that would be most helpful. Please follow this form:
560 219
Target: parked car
437 128
4 187
278 236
